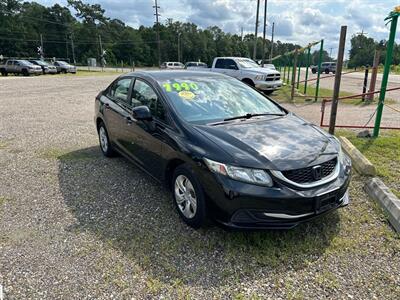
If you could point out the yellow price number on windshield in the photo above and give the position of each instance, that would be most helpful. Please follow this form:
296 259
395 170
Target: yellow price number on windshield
182 86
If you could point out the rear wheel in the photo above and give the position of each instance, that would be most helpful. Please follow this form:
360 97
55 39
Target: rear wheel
104 141
326 71
4 73
188 196
25 72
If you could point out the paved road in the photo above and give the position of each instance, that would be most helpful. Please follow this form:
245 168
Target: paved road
353 83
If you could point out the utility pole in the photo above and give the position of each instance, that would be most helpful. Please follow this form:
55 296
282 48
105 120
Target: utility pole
73 49
265 28
255 31
101 53
179 50
330 52
372 83
338 77
156 7
66 46
41 46
272 42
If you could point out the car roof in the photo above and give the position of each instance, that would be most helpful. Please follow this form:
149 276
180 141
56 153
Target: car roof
168 74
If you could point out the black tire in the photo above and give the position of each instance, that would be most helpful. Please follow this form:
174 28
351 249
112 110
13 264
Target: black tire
4 73
105 146
333 72
326 71
268 92
199 217
25 72
313 71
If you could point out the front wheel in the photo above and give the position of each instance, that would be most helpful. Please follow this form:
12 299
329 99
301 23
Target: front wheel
189 197
104 141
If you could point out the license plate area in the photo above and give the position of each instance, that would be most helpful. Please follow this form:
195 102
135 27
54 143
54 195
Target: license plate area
326 202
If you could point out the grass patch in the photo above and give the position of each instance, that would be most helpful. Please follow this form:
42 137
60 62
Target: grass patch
55 153
383 152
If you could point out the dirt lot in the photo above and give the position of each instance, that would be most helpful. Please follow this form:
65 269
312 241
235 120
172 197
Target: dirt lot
77 225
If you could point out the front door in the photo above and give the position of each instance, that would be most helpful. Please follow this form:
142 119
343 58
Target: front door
143 139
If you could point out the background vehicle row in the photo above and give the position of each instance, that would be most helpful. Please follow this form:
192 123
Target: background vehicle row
35 67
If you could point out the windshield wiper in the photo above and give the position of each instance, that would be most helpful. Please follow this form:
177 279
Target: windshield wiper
248 116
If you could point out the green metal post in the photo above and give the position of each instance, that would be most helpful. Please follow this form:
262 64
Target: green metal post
321 49
307 66
385 77
298 74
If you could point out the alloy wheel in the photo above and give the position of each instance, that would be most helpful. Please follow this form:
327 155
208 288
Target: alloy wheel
185 196
103 139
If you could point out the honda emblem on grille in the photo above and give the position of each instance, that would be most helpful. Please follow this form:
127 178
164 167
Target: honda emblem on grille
317 172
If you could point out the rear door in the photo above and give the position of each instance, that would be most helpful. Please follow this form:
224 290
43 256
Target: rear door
116 110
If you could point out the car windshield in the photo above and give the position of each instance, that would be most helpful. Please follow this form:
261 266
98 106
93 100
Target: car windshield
25 62
41 63
247 63
203 100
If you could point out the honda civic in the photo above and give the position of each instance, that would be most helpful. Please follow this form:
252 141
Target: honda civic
226 151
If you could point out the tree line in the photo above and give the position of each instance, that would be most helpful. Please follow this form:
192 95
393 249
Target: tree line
80 30
75 30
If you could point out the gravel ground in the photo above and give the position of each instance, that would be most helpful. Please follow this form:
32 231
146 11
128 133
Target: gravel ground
77 225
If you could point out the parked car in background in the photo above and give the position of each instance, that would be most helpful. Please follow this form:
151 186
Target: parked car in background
19 66
195 65
224 149
326 67
46 67
172 65
269 66
64 67
248 71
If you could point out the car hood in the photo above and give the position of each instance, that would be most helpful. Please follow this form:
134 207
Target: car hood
260 70
273 142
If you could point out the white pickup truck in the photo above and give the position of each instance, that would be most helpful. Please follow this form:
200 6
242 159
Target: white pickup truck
248 71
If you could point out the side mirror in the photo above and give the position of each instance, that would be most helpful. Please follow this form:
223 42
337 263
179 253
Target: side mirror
142 113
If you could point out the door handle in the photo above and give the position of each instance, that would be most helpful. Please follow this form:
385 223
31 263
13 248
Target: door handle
128 120
107 106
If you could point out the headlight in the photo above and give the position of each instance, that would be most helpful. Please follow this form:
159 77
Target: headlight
259 77
255 176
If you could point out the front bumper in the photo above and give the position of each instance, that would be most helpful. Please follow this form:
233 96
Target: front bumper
268 85
35 71
241 205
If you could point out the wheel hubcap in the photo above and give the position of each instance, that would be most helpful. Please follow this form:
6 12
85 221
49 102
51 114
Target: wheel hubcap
185 196
103 139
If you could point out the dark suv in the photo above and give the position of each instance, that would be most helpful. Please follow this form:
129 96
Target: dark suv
224 149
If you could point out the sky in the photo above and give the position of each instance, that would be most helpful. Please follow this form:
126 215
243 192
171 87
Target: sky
297 21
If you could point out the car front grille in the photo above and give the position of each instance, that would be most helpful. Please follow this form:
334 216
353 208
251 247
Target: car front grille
306 175
273 77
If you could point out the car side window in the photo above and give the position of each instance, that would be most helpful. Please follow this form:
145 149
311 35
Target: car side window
120 90
228 63
143 94
219 64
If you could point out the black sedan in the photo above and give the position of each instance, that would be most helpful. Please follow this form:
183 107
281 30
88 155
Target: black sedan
225 150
